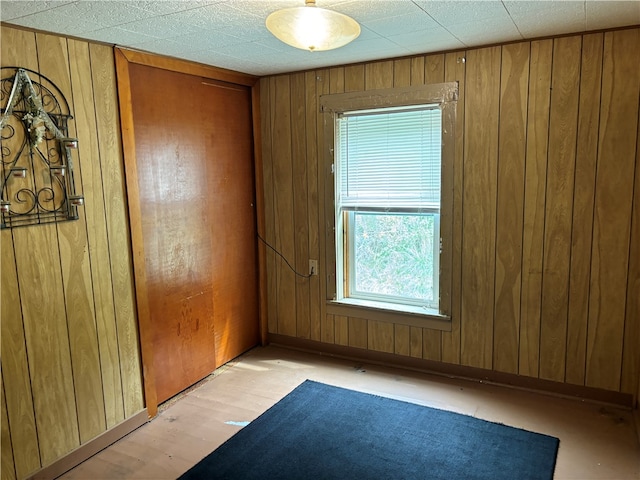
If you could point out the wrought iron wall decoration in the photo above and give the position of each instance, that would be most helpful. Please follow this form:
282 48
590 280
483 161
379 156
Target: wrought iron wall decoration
37 182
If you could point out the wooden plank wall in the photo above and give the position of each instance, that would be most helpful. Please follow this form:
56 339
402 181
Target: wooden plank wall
546 220
70 355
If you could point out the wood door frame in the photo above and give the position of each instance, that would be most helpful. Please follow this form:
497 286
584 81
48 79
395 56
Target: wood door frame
123 58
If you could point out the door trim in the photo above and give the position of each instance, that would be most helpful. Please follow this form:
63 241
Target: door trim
123 58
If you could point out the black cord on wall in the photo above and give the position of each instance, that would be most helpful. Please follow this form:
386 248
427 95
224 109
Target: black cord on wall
282 256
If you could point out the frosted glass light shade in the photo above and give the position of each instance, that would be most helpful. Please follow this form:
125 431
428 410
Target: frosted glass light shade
312 28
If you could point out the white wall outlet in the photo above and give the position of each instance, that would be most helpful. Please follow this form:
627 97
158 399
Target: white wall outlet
313 267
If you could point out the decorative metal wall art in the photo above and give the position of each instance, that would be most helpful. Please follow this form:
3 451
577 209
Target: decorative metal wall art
37 182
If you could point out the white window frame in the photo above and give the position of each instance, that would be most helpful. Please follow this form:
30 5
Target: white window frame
444 95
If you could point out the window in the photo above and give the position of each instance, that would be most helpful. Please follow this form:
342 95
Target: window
387 171
389 167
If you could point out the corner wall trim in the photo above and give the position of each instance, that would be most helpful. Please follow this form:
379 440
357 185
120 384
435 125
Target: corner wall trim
462 372
83 452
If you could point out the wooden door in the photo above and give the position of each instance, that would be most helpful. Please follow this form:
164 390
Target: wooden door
193 145
228 128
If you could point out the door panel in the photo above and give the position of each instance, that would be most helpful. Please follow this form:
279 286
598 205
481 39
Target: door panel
197 222
230 146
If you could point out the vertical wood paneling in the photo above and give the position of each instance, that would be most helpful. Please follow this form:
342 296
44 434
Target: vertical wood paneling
45 321
415 345
479 216
97 233
417 70
583 198
74 250
258 207
326 239
402 72
328 330
118 233
15 369
358 332
529 129
18 46
509 223
431 345
47 339
378 75
559 202
354 78
534 205
300 211
267 114
612 210
380 336
283 206
67 303
341 330
630 382
434 68
455 72
7 467
402 340
336 80
311 112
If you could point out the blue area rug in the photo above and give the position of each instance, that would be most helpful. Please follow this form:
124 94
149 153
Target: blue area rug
324 432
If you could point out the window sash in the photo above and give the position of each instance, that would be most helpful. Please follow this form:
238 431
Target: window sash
349 266
389 158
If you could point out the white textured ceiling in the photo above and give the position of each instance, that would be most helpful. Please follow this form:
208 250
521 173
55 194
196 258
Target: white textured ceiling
232 33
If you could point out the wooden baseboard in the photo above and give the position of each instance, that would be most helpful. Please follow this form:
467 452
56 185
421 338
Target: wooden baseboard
83 452
457 371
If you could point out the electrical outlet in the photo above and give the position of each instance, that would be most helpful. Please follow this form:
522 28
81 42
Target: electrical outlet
313 267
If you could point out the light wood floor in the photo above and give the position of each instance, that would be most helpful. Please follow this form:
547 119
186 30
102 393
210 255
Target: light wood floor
596 441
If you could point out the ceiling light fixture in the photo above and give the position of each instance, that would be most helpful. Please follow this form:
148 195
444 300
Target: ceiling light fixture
312 28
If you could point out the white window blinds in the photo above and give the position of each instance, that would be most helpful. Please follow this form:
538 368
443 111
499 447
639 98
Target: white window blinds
389 159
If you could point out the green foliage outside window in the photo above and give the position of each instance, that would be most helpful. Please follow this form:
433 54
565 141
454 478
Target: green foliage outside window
394 255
